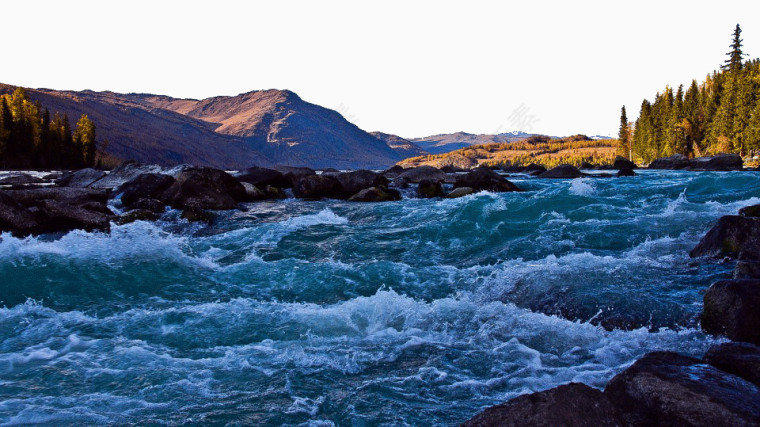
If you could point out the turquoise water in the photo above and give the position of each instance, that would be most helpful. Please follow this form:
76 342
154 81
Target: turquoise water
416 312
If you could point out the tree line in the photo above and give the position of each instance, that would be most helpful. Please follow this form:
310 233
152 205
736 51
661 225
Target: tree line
720 115
31 138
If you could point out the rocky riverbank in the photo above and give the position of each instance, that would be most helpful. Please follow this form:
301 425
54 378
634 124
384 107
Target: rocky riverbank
667 388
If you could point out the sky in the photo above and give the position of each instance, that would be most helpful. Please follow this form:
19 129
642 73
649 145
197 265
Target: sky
411 68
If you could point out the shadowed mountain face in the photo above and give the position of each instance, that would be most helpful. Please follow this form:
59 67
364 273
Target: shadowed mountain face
400 145
256 128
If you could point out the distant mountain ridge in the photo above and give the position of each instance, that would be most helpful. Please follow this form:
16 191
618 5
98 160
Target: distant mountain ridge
263 128
444 143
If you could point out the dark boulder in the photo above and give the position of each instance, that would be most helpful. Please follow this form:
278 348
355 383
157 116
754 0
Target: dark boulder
482 179
137 215
353 182
718 162
567 405
317 187
376 194
732 308
623 163
261 177
144 186
626 172
294 173
533 169
562 171
587 165
393 172
153 205
53 210
666 388
674 162
254 193
748 264
460 192
205 188
752 211
452 169
728 236
415 175
197 215
82 178
739 358
429 189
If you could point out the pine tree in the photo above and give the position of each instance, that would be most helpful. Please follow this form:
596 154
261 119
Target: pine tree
734 61
84 138
624 135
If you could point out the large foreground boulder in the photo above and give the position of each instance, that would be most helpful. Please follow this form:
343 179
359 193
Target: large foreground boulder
127 171
732 308
567 405
482 179
674 162
665 388
718 162
738 358
53 210
205 188
145 186
562 171
317 187
82 178
727 238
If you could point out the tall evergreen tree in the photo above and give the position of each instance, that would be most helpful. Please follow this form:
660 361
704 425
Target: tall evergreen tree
84 139
624 135
735 56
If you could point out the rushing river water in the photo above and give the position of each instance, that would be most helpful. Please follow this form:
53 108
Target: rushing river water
416 312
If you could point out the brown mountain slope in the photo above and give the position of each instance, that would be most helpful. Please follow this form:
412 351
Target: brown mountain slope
255 128
399 144
444 143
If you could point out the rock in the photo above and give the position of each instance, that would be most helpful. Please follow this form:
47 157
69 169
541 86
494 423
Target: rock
587 165
153 205
534 169
330 170
197 215
145 186
294 173
82 178
415 175
460 192
137 215
316 187
53 210
52 176
429 189
22 179
738 358
718 162
254 193
261 177
399 182
728 236
205 188
456 163
674 162
626 172
666 388
567 405
375 194
748 264
125 172
393 172
482 179
752 211
562 171
623 163
452 169
732 308
353 182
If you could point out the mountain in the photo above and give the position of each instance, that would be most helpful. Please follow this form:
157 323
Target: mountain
444 143
263 128
400 145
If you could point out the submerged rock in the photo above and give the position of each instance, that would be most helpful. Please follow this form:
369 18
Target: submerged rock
738 358
567 405
376 194
460 192
482 179
625 172
728 236
137 215
666 388
732 308
562 171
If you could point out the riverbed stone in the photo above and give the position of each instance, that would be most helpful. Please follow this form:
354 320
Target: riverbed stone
732 308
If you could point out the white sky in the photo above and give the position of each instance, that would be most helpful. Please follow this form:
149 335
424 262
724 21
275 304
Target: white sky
403 67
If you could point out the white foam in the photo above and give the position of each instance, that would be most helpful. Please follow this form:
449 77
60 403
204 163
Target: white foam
582 187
